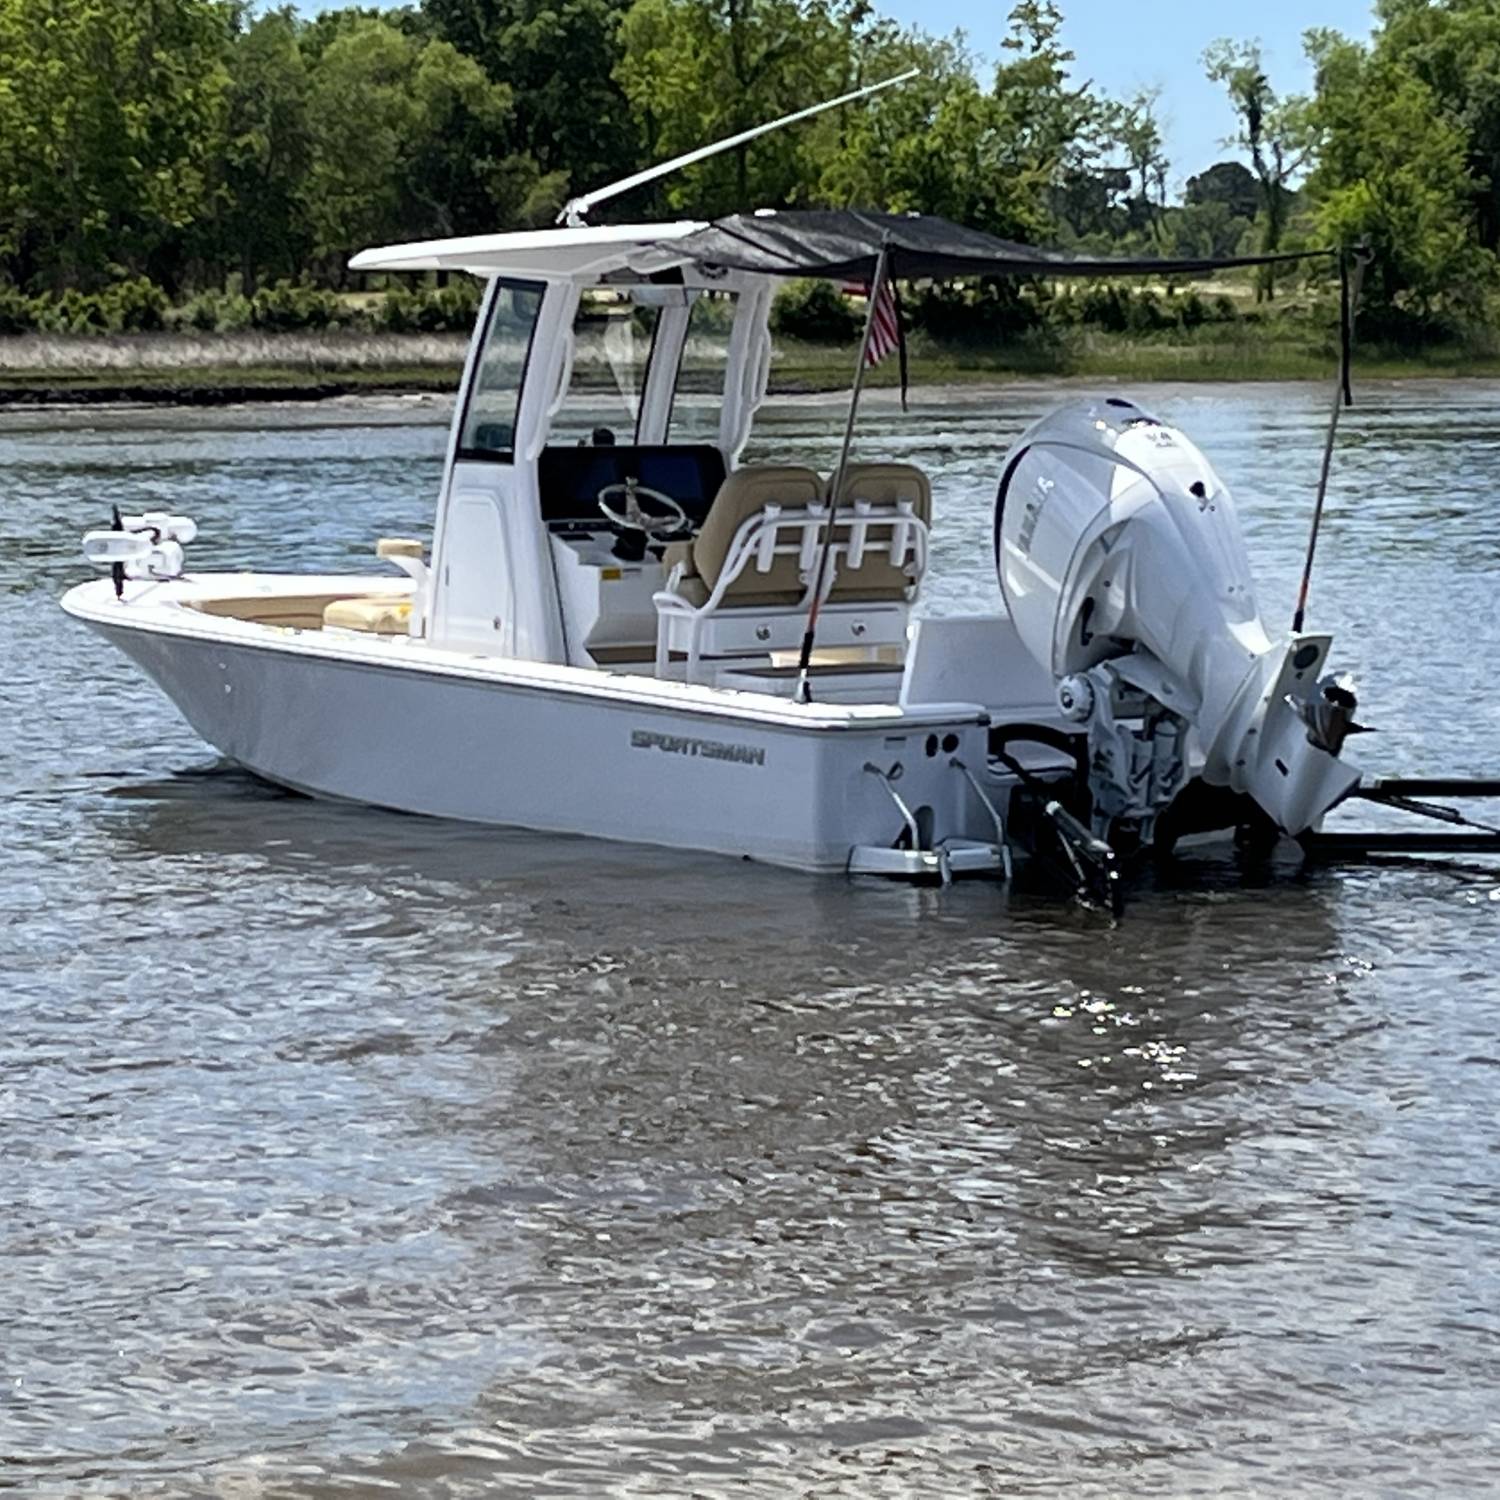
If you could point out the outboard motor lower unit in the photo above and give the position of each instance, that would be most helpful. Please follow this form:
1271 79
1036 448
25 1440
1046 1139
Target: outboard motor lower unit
1124 571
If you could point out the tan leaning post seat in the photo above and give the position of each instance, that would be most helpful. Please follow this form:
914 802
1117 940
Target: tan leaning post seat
744 494
877 577
744 585
382 614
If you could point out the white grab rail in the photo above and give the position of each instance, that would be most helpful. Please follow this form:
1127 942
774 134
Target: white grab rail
776 532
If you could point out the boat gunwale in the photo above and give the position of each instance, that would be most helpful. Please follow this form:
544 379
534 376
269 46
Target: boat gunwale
154 616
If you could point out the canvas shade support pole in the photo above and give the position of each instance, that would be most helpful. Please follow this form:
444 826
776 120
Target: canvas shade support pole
1349 286
835 494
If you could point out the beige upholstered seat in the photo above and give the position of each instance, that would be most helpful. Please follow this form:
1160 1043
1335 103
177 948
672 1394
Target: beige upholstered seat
286 611
888 484
745 494
390 615
745 584
877 577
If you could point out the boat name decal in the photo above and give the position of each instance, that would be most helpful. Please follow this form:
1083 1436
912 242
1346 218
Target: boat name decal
682 744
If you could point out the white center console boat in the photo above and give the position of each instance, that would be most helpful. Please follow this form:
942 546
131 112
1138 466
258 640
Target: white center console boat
610 630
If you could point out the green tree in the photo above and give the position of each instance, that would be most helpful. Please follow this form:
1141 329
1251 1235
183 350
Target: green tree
1002 159
1228 182
696 71
1137 136
1055 128
872 154
267 152
323 27
1453 47
1277 132
558 58
406 139
1090 203
110 114
1205 231
1394 171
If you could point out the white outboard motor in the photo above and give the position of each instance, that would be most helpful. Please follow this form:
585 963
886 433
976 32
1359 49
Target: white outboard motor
1122 565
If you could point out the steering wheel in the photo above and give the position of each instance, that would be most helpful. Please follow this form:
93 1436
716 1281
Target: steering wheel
633 518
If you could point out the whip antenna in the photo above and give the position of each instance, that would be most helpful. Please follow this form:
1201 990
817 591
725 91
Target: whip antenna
575 210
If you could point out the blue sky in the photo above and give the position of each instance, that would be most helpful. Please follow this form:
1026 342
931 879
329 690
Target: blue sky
1122 47
1160 43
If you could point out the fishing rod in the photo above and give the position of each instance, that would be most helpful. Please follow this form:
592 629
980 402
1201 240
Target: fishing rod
1410 794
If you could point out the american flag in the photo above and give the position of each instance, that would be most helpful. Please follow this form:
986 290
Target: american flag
885 330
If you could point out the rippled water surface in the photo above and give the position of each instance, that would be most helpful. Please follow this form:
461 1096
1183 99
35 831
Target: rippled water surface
347 1153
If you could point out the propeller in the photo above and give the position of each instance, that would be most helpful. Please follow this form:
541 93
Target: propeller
117 569
1330 716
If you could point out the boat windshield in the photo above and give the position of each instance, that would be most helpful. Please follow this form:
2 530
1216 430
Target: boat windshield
617 334
489 426
612 340
699 396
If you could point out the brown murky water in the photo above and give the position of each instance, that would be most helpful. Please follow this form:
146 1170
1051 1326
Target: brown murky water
346 1153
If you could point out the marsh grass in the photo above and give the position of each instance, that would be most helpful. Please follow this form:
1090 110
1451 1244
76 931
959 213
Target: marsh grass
1232 353
57 355
239 366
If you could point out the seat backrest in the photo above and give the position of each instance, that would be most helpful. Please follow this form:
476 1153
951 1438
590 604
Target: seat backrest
877 577
746 493
888 484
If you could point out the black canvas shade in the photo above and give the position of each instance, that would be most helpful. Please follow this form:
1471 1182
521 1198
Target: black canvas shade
848 242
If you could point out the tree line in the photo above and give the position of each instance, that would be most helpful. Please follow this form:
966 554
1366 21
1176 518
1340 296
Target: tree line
208 147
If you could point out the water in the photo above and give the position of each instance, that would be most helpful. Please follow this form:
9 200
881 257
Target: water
351 1154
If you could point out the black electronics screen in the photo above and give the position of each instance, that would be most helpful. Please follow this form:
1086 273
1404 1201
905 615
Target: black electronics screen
571 478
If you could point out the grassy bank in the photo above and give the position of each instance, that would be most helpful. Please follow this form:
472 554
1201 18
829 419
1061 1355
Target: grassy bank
1242 352
210 368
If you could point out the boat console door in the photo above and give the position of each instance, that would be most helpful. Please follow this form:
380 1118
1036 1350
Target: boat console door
491 577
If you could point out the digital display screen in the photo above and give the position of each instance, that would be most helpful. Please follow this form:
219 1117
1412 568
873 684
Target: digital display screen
571 478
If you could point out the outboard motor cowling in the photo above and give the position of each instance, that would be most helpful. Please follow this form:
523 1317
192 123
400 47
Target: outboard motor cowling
1124 570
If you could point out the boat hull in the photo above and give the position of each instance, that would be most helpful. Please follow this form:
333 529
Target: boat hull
541 749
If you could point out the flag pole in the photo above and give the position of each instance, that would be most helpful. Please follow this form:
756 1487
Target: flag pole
1349 289
835 493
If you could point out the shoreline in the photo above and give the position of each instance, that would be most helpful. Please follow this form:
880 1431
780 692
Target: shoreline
46 397
59 391
173 370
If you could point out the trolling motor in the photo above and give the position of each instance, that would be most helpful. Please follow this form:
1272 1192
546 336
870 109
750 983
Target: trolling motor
1124 571
139 547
